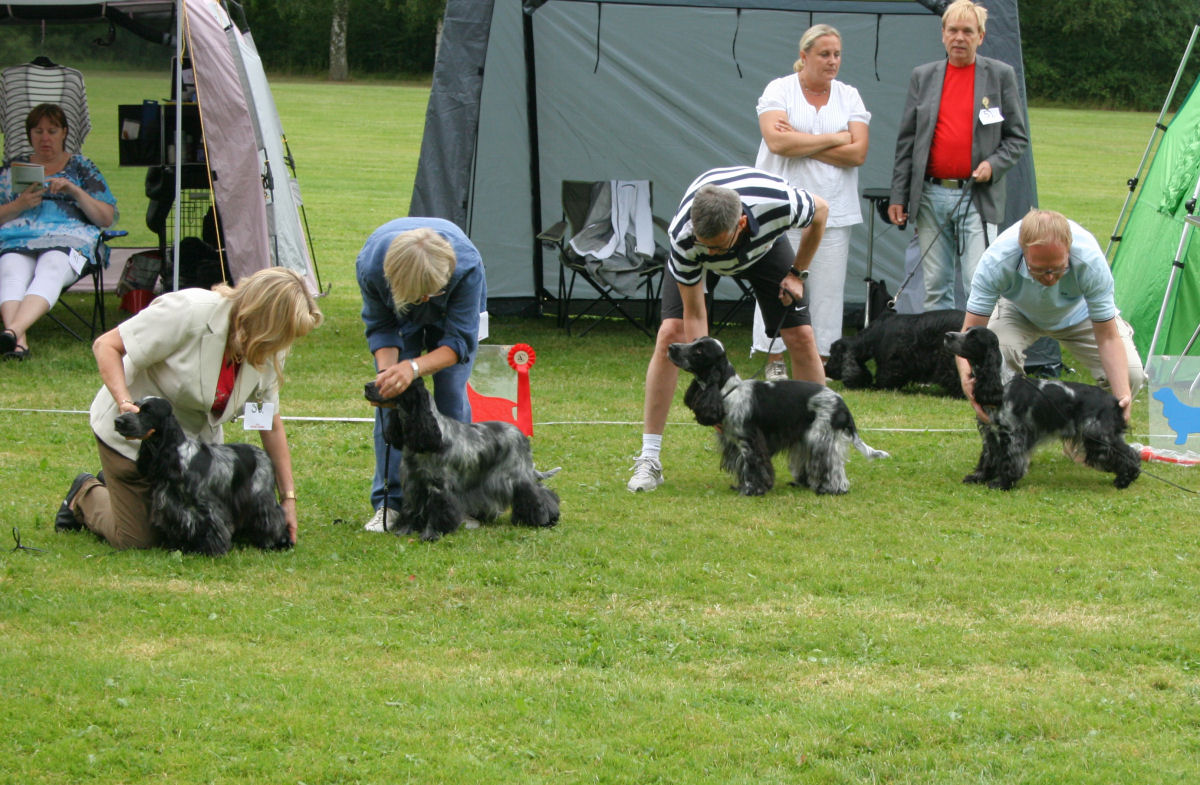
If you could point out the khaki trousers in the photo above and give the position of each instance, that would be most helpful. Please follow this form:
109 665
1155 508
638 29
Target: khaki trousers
1016 334
119 510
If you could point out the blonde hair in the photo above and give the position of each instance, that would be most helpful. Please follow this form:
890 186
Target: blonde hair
1044 227
417 263
810 37
961 8
271 309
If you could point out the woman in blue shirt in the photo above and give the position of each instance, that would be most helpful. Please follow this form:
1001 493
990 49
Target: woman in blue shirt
48 231
423 292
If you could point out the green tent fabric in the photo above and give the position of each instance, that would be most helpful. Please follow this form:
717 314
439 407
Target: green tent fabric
1150 241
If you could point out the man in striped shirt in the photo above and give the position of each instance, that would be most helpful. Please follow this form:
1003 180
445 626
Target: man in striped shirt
731 221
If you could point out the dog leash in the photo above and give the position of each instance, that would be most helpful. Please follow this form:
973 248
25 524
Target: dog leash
19 547
942 229
774 336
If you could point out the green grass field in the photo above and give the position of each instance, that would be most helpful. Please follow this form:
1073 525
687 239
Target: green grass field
914 631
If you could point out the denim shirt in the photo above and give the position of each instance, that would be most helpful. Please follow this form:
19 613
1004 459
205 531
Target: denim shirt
450 319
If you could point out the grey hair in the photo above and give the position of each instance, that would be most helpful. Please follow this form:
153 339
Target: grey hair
965 9
715 210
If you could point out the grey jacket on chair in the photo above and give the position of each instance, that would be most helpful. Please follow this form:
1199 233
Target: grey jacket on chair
1000 143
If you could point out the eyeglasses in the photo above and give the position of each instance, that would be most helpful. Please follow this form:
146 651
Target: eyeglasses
1053 272
713 249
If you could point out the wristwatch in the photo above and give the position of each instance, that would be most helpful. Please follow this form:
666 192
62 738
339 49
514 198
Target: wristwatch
416 369
801 274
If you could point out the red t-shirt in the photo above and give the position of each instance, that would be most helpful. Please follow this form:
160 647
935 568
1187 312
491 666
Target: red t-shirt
229 370
950 153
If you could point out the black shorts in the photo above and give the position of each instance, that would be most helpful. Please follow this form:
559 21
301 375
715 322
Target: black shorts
764 277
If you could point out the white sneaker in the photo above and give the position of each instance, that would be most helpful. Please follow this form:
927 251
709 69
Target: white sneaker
647 474
376 522
776 371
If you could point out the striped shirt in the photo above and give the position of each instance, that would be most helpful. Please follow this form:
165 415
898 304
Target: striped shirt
770 205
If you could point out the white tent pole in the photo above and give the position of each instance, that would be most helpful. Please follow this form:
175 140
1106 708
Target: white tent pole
1176 267
1158 127
178 147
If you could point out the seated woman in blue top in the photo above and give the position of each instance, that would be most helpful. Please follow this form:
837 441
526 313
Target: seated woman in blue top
48 231
423 291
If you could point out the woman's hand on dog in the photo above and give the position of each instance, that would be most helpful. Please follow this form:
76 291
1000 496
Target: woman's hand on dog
289 514
394 379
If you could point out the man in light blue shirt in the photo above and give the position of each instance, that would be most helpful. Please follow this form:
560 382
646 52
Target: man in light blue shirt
1046 275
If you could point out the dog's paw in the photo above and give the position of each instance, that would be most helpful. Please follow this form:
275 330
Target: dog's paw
752 490
1125 480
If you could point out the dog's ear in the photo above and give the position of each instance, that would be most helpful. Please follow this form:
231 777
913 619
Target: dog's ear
706 402
421 431
989 387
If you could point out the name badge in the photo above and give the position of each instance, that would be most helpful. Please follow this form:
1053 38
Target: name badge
990 115
258 416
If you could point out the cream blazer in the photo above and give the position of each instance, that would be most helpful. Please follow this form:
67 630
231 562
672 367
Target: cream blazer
173 349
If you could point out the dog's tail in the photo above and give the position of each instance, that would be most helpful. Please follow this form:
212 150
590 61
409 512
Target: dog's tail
843 421
547 474
867 449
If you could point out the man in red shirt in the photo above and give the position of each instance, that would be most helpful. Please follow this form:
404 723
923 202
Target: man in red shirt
963 127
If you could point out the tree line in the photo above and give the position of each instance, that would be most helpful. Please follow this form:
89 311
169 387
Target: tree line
1119 54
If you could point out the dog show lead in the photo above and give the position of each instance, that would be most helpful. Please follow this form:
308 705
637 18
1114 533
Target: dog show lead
213 355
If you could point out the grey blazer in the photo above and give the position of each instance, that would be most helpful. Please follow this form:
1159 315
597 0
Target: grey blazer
1001 143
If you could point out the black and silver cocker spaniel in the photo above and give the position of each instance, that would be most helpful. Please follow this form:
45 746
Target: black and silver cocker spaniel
906 348
757 419
203 497
453 472
1026 411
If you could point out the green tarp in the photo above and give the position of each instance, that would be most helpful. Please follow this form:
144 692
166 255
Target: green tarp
1150 241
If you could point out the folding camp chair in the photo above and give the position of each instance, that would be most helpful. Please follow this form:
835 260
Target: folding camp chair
611 246
22 87
727 317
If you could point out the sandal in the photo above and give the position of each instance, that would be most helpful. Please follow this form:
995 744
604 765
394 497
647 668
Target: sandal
19 353
8 341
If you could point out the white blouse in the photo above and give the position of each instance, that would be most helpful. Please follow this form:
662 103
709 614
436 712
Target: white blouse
838 185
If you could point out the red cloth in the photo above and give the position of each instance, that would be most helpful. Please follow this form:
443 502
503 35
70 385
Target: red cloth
229 371
950 153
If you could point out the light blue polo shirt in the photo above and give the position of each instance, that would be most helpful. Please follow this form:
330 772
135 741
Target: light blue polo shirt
1086 291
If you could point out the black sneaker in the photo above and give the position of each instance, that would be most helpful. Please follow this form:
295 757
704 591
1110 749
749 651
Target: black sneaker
65 520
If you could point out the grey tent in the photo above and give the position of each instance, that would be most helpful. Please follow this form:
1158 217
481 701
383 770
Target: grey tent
528 94
256 194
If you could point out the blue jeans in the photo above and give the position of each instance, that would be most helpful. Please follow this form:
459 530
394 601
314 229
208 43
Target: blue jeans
450 398
951 225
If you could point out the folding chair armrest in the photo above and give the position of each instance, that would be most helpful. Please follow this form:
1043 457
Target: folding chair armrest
111 234
555 234
661 223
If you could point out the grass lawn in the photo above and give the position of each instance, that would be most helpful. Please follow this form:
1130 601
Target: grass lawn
915 630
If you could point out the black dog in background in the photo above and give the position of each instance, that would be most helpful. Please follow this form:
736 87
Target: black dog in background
454 472
1026 411
907 349
203 497
757 419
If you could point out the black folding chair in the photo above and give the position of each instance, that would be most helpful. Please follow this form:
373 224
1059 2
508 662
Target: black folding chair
628 285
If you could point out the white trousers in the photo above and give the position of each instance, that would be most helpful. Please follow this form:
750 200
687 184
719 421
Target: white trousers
23 273
826 286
